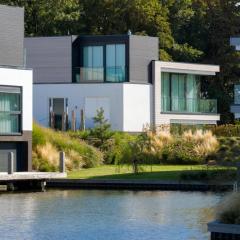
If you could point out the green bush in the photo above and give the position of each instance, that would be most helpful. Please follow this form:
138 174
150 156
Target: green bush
180 152
229 150
228 130
43 165
38 136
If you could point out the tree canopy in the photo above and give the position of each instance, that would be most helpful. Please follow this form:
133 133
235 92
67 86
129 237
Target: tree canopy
188 30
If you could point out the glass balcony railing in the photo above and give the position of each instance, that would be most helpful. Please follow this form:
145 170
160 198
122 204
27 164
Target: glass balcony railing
100 74
188 105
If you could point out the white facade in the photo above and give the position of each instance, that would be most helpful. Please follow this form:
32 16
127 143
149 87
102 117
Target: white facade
127 106
160 118
20 78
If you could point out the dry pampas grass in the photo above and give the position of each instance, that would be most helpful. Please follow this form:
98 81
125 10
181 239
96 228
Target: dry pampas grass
205 142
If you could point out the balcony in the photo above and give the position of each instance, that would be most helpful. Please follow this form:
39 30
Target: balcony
100 74
188 105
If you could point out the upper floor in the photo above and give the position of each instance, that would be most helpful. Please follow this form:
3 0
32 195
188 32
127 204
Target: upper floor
91 59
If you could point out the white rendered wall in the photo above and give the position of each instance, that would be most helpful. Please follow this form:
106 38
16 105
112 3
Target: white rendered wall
77 95
127 105
137 106
20 78
160 118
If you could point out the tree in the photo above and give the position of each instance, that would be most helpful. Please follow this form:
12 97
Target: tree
102 129
47 18
142 17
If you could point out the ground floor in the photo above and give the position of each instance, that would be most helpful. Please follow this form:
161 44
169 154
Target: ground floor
128 107
21 147
16 118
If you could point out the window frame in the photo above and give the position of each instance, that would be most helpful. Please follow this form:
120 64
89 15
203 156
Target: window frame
104 45
18 113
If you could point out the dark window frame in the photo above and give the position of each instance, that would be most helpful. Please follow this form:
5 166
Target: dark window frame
18 113
77 53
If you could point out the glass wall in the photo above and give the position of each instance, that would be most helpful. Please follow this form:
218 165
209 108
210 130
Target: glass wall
93 63
115 63
102 63
181 93
10 110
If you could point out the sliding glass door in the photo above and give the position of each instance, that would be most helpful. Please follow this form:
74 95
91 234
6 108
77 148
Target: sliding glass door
93 69
115 63
180 92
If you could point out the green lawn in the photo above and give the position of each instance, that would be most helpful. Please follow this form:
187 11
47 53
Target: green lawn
156 172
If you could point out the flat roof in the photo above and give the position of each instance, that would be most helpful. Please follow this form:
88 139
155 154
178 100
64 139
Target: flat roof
191 68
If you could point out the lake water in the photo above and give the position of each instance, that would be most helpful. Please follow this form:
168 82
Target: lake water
106 215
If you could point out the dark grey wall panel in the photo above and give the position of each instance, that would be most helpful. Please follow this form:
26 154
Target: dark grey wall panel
5 148
11 36
142 50
50 58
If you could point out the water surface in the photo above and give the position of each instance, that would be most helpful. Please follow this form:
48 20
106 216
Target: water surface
106 215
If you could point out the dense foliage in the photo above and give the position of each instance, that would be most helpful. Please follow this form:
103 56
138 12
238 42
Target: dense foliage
188 30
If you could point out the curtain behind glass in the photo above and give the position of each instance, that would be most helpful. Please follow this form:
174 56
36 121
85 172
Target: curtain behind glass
174 92
165 90
9 112
93 63
115 63
192 93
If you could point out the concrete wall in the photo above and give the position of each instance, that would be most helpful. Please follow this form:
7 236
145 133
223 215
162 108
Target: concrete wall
142 51
137 104
11 36
20 78
50 58
160 118
128 104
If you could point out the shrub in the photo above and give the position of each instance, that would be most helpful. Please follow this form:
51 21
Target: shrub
48 143
38 137
228 151
180 152
101 132
229 209
228 130
119 150
204 142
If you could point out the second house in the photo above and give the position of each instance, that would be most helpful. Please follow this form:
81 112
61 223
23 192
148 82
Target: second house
121 74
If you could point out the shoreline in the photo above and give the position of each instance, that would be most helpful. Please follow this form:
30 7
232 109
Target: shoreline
137 185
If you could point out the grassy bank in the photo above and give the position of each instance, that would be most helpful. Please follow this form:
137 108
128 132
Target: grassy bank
156 172
46 146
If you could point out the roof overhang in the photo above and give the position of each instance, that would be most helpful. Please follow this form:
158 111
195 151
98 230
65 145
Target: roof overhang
189 68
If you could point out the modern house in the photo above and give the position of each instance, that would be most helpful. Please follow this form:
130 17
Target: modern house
121 74
235 107
15 92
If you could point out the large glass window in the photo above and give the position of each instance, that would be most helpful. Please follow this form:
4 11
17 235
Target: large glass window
93 63
180 92
115 63
10 110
